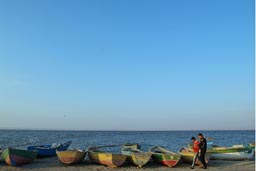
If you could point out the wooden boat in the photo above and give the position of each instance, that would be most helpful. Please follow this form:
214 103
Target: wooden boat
16 157
236 152
136 156
187 155
252 144
131 146
164 156
106 158
71 156
49 150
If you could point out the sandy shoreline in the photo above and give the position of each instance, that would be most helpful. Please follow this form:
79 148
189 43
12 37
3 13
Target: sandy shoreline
52 164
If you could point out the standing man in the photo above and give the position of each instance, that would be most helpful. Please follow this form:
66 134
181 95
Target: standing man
202 150
196 151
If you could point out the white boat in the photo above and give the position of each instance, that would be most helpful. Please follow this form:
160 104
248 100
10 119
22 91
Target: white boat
236 152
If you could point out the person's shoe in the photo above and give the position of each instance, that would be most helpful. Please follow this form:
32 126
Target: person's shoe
204 167
191 167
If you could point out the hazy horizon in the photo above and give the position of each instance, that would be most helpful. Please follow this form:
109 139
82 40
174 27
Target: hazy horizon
127 65
38 129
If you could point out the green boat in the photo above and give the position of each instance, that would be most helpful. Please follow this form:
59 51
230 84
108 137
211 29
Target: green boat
164 156
135 156
16 157
236 152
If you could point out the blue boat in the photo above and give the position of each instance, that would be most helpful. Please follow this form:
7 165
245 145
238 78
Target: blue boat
50 150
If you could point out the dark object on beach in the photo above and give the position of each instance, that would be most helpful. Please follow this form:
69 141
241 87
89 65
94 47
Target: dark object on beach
50 150
16 157
71 156
134 155
164 156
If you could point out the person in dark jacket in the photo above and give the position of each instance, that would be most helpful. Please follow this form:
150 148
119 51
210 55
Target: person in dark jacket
202 150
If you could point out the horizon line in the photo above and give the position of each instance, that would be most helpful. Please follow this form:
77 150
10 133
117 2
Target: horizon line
42 129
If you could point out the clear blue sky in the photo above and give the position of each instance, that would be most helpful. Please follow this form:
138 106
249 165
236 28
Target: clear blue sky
127 65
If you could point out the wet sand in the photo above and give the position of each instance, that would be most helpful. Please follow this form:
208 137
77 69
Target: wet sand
52 164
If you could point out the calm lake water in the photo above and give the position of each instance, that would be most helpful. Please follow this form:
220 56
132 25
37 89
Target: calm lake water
172 140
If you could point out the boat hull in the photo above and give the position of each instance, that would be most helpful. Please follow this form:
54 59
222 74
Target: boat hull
138 159
166 160
48 151
187 155
108 159
232 153
16 157
232 156
71 156
165 157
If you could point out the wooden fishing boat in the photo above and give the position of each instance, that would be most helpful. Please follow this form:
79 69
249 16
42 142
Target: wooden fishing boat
49 150
131 146
136 156
164 156
110 159
71 156
236 152
16 157
187 155
252 145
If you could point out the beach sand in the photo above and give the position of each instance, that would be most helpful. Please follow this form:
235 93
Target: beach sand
52 164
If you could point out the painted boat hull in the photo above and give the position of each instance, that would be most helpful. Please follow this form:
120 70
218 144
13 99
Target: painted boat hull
48 150
252 145
165 157
187 156
138 158
71 156
233 153
108 159
15 157
232 156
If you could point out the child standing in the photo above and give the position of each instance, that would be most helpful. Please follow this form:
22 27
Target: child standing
196 146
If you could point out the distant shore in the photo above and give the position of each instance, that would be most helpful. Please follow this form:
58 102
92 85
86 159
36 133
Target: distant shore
52 164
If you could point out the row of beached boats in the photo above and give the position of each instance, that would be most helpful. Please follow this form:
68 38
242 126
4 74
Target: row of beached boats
131 153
